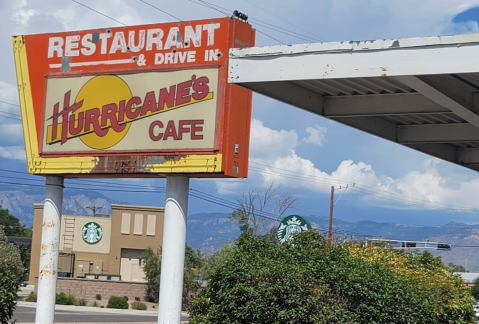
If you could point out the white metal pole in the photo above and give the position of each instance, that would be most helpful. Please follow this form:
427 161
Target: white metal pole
173 250
50 244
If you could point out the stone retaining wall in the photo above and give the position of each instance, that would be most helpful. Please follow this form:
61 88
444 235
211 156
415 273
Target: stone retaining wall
88 289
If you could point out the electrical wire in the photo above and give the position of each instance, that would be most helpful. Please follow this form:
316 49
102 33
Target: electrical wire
81 4
290 23
163 11
259 22
418 202
9 103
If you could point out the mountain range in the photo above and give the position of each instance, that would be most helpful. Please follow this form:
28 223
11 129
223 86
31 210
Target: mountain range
209 231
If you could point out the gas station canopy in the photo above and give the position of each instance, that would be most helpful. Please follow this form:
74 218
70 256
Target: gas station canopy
422 93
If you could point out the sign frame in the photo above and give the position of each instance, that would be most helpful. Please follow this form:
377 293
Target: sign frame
229 154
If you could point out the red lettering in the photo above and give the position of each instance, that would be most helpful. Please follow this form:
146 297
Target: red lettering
183 93
64 114
196 126
79 119
170 131
200 88
154 124
92 120
166 98
121 111
109 113
132 111
149 104
182 129
56 107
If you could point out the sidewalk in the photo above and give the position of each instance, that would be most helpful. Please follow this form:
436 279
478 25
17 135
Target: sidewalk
96 309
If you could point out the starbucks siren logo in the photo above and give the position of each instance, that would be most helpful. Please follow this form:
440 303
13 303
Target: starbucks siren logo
290 225
92 233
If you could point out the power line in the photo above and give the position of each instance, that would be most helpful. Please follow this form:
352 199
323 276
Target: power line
271 13
81 4
262 23
358 187
163 11
208 5
9 103
5 115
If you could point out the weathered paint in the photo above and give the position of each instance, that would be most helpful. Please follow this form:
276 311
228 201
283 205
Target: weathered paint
92 55
50 244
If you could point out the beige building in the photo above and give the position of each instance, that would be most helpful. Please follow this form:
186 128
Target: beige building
104 248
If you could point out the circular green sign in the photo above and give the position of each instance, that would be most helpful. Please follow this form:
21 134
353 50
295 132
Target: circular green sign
92 233
290 225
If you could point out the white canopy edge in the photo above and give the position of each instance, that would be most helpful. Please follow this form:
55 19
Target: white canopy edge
393 57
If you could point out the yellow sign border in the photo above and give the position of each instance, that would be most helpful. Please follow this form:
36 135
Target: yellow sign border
84 165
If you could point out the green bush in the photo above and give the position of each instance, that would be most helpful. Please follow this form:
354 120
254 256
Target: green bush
8 294
11 270
80 302
94 304
98 297
32 297
307 282
117 302
64 299
139 305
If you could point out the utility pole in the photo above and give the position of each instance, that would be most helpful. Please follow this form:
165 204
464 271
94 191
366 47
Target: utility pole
331 207
93 209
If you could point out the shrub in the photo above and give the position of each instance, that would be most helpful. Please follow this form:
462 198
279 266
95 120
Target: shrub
139 305
94 304
80 302
64 299
31 298
117 302
8 294
307 282
98 297
11 270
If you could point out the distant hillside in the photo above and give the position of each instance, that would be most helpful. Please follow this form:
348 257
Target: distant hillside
19 201
209 231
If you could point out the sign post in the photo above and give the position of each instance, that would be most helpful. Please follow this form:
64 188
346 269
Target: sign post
173 250
143 101
50 246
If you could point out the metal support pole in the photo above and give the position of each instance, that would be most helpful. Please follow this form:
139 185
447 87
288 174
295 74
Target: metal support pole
50 244
173 250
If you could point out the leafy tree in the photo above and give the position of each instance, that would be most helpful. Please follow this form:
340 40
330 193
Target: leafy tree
11 225
214 260
456 267
475 290
152 269
11 270
260 207
452 300
307 282
151 263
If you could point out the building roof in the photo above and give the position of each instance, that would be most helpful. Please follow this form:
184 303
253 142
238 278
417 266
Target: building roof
422 93
21 242
468 277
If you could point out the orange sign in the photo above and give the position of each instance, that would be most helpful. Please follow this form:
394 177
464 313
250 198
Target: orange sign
142 100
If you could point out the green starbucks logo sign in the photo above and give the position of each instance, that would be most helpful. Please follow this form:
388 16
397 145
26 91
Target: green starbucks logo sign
290 225
92 233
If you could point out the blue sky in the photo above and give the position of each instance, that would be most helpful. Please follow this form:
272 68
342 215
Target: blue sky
303 153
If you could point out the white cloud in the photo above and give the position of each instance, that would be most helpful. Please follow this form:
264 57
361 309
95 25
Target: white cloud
417 189
267 143
12 153
317 135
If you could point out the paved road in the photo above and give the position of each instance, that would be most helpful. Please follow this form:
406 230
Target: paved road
27 315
